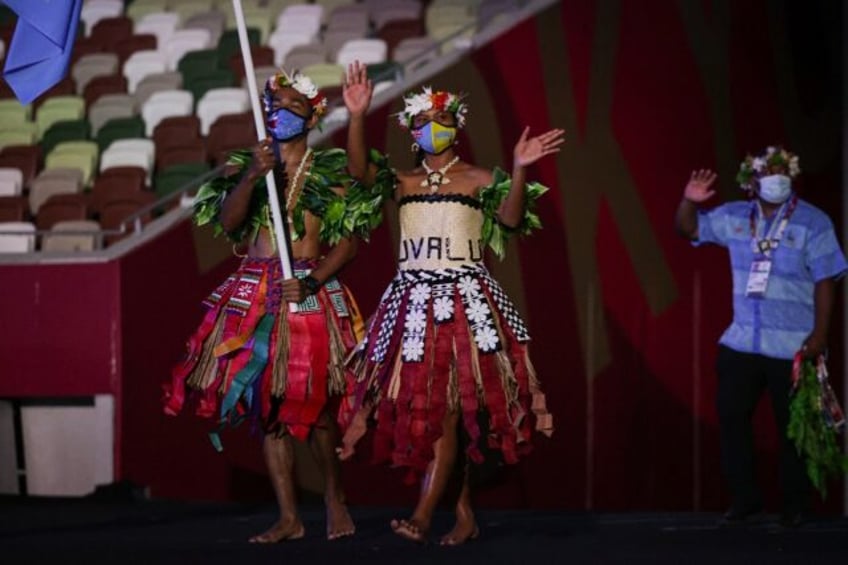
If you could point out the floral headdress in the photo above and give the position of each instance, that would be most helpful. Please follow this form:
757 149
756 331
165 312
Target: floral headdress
299 82
415 103
775 161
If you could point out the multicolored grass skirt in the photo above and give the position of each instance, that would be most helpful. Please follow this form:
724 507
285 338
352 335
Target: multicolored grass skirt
252 358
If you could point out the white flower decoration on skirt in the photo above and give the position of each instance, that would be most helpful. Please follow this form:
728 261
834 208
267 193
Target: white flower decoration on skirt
468 286
487 339
420 293
477 311
415 321
413 348
442 308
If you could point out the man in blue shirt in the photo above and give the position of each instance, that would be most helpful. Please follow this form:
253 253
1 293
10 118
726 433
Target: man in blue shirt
785 260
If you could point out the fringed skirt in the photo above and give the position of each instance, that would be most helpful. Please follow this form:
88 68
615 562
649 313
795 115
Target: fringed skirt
253 358
444 341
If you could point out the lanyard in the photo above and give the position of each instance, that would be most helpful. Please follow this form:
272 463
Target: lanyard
766 245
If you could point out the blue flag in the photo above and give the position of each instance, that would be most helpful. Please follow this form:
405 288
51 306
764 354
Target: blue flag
41 48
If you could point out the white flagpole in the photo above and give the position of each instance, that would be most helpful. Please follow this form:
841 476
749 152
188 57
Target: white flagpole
259 119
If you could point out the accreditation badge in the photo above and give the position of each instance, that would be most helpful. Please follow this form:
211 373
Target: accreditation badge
758 278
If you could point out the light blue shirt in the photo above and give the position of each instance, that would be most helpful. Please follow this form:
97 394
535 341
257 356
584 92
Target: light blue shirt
776 324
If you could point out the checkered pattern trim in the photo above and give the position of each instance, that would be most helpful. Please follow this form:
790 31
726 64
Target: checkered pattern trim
506 308
434 291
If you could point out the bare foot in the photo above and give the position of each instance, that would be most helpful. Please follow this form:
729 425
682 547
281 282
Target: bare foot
339 522
461 533
465 528
280 532
410 529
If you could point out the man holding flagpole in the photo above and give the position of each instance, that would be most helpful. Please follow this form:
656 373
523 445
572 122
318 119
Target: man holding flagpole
253 357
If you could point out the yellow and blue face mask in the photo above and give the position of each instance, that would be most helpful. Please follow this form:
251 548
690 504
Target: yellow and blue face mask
433 137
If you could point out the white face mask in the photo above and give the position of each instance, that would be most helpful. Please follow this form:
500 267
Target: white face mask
775 189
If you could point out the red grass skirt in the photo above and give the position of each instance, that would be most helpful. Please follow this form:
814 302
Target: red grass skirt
253 358
444 341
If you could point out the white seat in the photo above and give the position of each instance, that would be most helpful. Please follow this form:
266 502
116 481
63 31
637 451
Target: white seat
183 41
339 114
232 93
209 109
139 145
301 18
125 158
44 187
95 10
11 181
165 104
262 75
92 66
142 64
160 24
88 241
17 242
366 51
355 21
282 42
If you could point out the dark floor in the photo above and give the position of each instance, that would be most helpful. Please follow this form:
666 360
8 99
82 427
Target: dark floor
60 531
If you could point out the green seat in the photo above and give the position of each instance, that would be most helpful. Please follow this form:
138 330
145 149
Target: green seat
388 71
188 8
259 19
176 176
64 131
7 16
325 75
229 44
21 134
197 63
119 128
198 86
59 109
81 159
140 8
11 111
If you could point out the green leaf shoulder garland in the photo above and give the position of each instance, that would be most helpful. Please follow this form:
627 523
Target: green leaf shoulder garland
327 171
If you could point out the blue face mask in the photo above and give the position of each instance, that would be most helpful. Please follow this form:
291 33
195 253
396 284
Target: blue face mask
283 124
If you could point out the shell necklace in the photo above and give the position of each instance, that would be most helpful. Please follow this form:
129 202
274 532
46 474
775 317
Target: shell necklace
294 190
435 179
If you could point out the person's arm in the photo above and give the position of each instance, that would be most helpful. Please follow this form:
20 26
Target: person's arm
296 290
237 203
357 92
697 190
527 151
823 296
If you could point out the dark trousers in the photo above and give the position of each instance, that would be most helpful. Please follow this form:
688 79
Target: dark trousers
741 380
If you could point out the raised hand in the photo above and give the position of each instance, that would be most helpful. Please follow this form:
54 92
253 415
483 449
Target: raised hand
357 89
698 188
529 150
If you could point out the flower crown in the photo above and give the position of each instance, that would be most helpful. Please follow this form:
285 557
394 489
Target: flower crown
774 161
415 103
299 82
